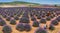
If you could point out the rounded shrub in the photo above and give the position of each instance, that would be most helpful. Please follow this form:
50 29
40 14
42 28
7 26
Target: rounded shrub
36 14
7 29
4 16
2 22
11 15
31 15
8 18
43 15
35 24
51 28
52 16
33 18
24 20
18 15
54 22
38 17
40 30
48 18
58 18
25 15
16 18
20 27
43 21
12 21
27 27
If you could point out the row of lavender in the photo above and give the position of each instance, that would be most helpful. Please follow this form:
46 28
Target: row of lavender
43 14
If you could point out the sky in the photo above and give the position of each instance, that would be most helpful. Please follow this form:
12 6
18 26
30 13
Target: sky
36 1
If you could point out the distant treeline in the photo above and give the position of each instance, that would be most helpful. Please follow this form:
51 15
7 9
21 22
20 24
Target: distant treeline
17 2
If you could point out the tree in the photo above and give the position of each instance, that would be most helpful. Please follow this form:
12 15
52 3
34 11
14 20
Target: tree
55 5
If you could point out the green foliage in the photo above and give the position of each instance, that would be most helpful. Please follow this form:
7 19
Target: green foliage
6 29
40 30
13 22
51 28
55 5
2 23
35 24
17 2
43 21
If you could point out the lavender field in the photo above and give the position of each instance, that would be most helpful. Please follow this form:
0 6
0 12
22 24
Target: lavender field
29 20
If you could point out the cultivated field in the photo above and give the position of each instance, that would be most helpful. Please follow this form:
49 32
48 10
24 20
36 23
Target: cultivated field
29 20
